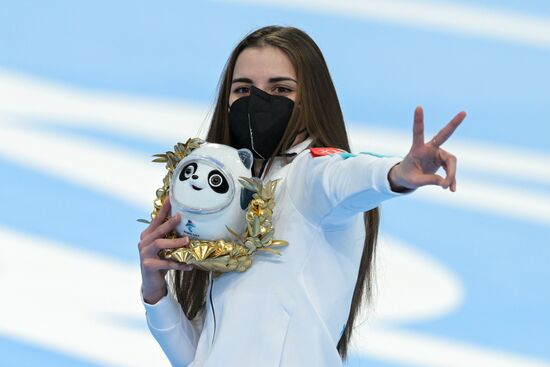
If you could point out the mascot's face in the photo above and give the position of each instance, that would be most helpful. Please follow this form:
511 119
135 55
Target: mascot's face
202 186
206 192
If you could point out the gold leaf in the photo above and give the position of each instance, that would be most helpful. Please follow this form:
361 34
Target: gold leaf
248 184
265 193
270 250
256 228
234 233
279 243
249 229
266 239
249 216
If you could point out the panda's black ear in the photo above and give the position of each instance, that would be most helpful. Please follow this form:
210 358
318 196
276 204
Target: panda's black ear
246 157
246 197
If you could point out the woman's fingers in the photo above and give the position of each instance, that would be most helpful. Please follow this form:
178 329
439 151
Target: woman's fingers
449 165
157 221
159 232
164 228
162 243
418 127
167 226
151 242
448 130
150 261
164 210
448 162
428 179
156 264
424 159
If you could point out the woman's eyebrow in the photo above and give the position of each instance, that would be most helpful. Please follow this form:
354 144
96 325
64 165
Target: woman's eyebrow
242 80
271 80
281 79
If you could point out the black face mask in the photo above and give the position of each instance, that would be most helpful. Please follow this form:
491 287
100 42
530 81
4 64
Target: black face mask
258 122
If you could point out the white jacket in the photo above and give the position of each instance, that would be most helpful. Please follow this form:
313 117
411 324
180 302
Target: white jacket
287 310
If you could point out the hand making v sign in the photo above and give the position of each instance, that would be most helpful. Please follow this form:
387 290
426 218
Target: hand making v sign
420 165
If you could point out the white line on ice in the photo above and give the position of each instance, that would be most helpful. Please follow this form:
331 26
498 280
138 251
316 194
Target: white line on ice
113 172
414 349
34 98
474 20
411 285
70 301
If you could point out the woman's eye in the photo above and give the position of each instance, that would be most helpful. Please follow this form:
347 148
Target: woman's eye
282 90
215 180
242 90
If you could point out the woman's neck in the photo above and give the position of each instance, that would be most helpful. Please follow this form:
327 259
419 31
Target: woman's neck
257 166
258 162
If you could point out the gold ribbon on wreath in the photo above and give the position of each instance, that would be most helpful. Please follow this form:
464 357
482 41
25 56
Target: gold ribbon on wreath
221 255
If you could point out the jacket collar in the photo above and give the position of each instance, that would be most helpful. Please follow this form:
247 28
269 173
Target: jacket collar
282 160
300 147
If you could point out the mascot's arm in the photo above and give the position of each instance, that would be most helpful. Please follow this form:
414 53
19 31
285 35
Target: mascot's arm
329 189
177 335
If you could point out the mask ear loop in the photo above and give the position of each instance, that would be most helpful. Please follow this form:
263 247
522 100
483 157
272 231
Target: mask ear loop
212 307
252 139
262 168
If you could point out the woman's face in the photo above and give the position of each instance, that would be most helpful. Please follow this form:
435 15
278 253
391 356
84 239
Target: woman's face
266 68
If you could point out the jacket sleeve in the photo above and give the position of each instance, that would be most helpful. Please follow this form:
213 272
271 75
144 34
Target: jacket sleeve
176 334
331 189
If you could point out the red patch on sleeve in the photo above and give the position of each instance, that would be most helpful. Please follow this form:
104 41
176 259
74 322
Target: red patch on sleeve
321 152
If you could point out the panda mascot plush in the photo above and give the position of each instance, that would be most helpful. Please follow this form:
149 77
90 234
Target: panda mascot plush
205 191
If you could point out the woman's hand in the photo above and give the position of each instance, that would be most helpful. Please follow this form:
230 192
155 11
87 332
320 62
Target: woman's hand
424 159
153 268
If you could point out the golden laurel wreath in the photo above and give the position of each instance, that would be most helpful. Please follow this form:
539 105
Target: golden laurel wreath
220 255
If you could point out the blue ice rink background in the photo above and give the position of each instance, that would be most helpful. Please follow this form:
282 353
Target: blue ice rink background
174 51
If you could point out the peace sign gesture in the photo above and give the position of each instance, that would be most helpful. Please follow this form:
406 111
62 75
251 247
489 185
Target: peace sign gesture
424 159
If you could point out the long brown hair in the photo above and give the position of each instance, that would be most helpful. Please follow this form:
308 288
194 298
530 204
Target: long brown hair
318 112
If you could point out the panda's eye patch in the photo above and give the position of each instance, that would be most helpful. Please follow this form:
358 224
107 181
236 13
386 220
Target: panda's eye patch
188 171
218 182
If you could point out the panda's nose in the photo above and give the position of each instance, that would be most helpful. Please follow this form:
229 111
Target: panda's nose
194 177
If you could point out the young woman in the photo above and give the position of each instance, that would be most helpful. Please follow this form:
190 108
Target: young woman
298 309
